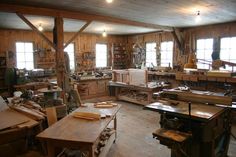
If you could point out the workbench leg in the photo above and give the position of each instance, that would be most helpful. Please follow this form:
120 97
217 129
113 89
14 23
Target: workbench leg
117 91
149 98
115 126
50 149
91 152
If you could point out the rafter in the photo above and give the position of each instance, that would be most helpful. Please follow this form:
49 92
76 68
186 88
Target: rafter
35 29
76 34
77 15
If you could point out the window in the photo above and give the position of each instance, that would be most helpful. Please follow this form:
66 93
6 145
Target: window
151 57
228 50
70 49
101 55
204 51
167 54
24 55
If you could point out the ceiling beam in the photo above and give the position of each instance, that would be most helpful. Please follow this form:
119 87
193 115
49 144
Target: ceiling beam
76 34
35 29
77 15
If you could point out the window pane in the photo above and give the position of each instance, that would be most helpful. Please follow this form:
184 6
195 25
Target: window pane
24 55
101 55
29 57
228 51
167 54
204 51
20 47
28 47
70 50
151 54
20 57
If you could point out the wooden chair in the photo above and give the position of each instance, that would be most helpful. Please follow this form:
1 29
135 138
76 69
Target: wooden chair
51 115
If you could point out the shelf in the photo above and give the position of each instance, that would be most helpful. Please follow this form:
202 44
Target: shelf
108 145
120 56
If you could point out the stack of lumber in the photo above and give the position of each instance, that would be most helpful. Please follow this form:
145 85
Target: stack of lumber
107 104
29 108
87 115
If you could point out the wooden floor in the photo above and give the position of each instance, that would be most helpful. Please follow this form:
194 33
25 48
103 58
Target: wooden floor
135 127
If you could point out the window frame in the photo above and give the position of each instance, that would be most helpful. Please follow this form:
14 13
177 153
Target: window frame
201 63
106 55
166 50
69 56
33 54
229 50
155 64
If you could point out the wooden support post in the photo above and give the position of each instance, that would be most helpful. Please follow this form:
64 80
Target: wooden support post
76 34
179 40
58 36
35 29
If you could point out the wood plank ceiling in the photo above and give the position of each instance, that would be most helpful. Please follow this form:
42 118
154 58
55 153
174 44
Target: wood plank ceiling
174 13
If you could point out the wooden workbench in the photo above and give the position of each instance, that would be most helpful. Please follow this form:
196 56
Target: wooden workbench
209 127
77 133
142 90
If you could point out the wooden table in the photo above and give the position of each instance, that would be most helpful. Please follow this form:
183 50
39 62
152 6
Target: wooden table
77 133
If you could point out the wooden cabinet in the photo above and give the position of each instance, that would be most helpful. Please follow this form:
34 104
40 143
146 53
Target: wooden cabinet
93 88
120 56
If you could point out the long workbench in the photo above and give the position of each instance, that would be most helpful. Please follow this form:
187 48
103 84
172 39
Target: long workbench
136 94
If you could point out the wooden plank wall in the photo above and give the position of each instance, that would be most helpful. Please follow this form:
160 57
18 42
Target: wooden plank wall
86 42
83 43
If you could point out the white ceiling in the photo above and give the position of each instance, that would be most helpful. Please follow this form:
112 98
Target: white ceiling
174 13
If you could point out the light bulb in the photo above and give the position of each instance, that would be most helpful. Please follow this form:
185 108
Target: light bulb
198 17
40 28
104 34
109 1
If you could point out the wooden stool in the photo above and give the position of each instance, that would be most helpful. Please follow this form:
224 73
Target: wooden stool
173 139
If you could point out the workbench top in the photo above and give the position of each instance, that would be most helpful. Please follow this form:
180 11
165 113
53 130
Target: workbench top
81 131
199 112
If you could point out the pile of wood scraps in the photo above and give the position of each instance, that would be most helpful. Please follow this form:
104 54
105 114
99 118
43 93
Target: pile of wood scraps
10 119
29 108
107 138
107 104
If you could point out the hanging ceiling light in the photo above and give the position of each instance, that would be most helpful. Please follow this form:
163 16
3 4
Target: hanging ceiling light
109 1
198 17
104 33
40 28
